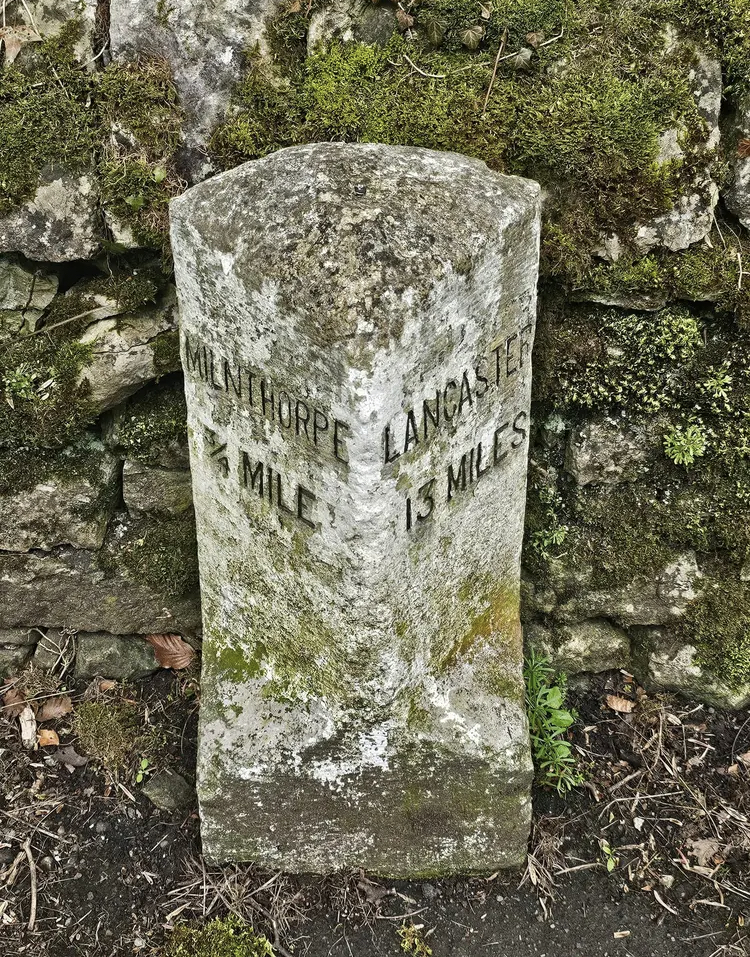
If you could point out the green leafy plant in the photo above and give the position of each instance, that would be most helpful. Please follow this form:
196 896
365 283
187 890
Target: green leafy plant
143 770
684 445
609 857
412 940
549 721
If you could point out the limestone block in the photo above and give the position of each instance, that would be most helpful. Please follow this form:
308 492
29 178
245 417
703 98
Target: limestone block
672 666
126 352
60 223
351 20
169 792
84 590
593 645
691 218
737 196
24 294
205 45
148 490
19 636
656 601
357 322
13 658
70 502
608 451
46 17
123 657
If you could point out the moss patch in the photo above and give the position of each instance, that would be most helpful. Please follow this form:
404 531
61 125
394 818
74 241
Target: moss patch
107 731
152 422
42 403
161 553
229 937
718 624
45 117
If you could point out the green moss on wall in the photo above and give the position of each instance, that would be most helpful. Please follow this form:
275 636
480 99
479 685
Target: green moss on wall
123 123
42 403
45 118
159 553
152 422
581 113
718 624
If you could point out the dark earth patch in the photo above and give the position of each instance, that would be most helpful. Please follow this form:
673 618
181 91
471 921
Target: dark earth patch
666 802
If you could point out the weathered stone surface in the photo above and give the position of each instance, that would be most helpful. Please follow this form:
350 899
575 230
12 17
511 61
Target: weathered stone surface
625 299
92 591
24 294
610 450
351 20
593 645
47 16
672 666
70 503
362 648
737 196
19 636
126 352
13 658
205 45
691 218
654 601
123 657
154 491
60 223
169 792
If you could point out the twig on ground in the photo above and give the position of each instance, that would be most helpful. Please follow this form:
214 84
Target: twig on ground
32 871
500 50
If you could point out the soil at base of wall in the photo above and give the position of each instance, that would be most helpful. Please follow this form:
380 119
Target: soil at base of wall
649 856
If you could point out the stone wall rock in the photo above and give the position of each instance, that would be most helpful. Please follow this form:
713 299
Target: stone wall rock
60 223
155 491
205 46
611 450
122 657
71 503
92 591
737 196
127 352
593 645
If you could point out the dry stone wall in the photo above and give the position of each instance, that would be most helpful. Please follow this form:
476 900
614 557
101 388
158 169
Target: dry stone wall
636 123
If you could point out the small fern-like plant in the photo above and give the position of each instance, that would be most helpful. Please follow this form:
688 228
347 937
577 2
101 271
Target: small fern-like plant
549 721
684 445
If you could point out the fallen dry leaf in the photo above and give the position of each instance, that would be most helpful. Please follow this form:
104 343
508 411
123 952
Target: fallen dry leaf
405 20
69 757
743 149
704 850
14 38
107 684
534 39
744 758
55 707
171 651
48 737
617 703
14 702
28 727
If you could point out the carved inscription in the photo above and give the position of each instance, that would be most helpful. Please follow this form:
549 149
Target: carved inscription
255 390
412 429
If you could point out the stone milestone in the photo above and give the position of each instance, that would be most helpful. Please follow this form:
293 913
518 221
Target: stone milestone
356 332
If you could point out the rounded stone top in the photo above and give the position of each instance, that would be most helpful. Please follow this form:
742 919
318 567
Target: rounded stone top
349 230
